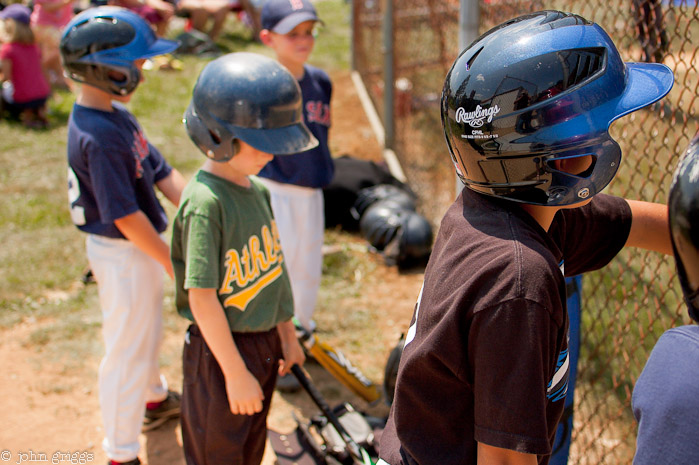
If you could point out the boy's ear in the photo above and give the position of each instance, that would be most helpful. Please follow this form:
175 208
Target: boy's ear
265 36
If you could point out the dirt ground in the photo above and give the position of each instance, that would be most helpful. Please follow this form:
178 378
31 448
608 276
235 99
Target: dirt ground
50 413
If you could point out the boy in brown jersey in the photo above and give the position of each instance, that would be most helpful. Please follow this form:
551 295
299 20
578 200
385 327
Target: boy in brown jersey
526 111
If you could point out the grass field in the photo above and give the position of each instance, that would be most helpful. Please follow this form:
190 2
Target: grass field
42 251
49 314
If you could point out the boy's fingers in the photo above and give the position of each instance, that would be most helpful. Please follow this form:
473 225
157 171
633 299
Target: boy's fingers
245 410
252 407
283 369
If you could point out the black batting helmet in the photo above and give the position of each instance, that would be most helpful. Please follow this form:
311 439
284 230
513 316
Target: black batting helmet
534 92
249 97
372 194
683 210
99 46
381 222
403 236
415 241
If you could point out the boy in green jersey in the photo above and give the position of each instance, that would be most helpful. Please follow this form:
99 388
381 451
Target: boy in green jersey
229 268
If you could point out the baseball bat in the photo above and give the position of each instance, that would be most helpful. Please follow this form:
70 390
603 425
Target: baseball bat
339 366
358 453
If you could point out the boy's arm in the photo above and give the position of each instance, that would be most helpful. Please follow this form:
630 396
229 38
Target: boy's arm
490 455
244 392
649 227
171 186
137 228
291 348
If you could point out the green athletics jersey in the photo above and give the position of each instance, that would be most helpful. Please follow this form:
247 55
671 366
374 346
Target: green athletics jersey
224 237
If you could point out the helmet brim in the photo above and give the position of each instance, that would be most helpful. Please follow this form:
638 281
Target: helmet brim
160 47
287 24
646 84
285 140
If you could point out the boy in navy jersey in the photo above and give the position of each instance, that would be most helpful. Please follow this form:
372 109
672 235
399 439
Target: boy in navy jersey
112 172
296 182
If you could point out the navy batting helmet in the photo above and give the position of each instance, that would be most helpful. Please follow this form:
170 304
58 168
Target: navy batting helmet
249 97
683 210
537 90
99 46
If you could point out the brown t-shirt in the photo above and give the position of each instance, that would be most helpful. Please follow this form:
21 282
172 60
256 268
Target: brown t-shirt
486 356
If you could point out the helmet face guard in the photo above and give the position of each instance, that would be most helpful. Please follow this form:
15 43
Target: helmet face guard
683 211
535 90
100 45
249 97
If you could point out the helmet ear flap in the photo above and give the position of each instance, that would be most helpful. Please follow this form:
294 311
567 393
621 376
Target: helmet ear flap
235 143
209 141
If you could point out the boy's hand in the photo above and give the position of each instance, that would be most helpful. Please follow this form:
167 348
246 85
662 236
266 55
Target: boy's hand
293 355
245 395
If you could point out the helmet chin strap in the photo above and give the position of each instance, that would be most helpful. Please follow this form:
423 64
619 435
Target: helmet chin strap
693 305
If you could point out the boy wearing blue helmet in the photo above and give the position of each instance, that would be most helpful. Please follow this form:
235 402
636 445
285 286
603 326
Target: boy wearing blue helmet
231 276
526 111
112 171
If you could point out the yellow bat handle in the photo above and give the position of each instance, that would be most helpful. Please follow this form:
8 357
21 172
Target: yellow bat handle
338 366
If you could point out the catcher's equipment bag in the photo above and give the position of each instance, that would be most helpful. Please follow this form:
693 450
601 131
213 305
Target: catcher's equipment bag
352 175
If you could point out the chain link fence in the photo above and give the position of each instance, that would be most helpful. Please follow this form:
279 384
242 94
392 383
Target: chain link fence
628 304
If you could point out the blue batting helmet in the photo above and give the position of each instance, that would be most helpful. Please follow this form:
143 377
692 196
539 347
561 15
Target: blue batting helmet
250 97
536 89
99 46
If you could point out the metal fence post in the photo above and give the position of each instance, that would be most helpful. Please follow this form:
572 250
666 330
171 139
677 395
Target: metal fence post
469 17
353 35
388 88
468 22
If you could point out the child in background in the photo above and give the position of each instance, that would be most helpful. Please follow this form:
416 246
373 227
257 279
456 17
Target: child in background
112 174
199 13
25 88
229 267
48 19
296 182
157 13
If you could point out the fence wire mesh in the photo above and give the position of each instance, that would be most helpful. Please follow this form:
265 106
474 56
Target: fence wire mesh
628 304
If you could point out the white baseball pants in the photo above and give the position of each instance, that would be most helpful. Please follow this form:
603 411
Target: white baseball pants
299 213
130 285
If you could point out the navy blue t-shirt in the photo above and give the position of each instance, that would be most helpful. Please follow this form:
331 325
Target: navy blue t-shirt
315 167
666 398
111 171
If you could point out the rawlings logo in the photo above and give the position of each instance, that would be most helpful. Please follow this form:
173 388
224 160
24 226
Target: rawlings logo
477 117
296 4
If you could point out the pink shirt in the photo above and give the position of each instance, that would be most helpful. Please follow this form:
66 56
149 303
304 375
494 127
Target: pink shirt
27 78
57 18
